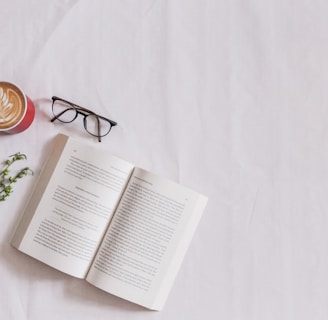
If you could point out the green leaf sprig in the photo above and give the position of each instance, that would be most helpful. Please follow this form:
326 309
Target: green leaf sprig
7 180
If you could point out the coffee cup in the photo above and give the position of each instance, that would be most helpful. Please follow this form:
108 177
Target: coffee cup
16 108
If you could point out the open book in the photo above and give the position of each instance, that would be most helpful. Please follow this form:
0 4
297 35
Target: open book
97 217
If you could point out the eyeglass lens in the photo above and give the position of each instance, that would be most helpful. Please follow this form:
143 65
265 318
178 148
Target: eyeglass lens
63 111
93 122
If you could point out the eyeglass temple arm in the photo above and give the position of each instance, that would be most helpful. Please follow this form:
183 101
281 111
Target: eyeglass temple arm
54 98
98 126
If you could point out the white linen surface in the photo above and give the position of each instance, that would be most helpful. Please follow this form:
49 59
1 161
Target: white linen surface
226 97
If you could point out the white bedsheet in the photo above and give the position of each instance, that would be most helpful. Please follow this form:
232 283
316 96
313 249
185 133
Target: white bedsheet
226 97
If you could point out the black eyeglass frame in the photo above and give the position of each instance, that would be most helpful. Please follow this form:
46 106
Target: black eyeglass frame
84 112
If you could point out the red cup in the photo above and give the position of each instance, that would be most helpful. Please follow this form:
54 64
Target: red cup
16 108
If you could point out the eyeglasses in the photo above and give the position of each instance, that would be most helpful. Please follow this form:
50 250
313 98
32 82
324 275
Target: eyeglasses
94 124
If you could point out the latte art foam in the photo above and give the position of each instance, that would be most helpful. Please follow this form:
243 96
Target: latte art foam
12 105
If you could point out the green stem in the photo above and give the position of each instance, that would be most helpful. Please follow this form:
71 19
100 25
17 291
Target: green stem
6 182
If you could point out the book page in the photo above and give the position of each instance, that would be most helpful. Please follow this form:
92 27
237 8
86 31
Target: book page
67 216
147 239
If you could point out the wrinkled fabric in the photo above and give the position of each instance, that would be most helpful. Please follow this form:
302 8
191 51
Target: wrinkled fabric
226 97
